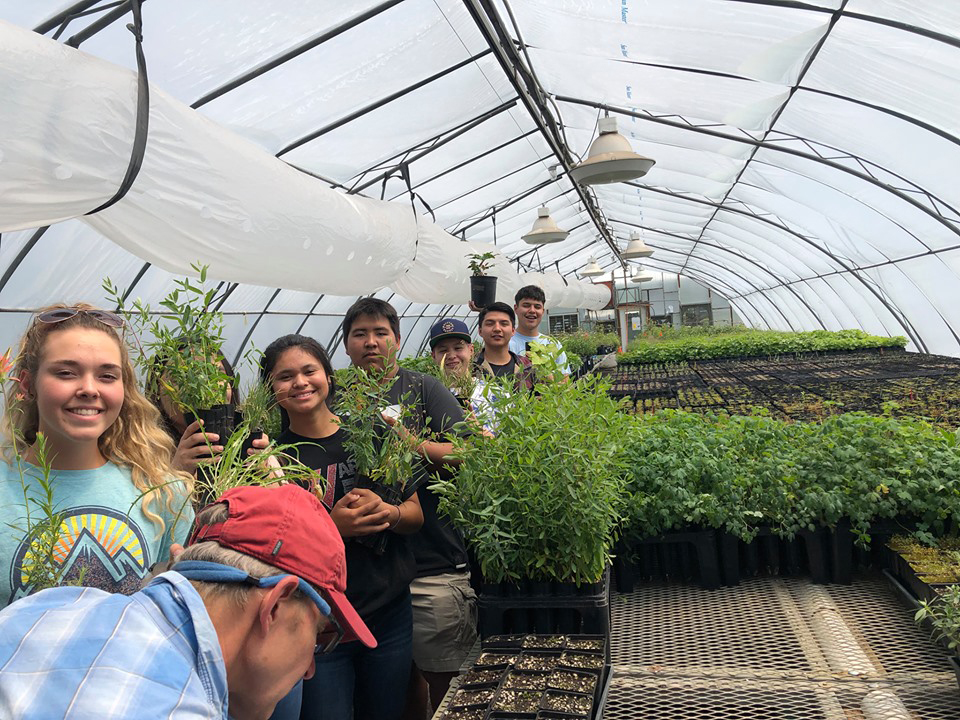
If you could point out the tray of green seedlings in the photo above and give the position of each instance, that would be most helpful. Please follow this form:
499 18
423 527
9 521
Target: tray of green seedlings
568 703
510 703
582 660
465 713
472 697
544 642
522 680
580 681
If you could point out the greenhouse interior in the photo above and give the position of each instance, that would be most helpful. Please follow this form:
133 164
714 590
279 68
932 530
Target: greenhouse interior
479 359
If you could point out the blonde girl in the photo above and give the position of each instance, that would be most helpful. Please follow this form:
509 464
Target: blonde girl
110 481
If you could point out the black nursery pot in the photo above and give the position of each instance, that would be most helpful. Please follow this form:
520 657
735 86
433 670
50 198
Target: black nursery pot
218 419
483 290
255 434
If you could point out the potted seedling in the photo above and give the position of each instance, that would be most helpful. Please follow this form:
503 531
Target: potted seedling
270 466
541 511
181 358
483 287
260 412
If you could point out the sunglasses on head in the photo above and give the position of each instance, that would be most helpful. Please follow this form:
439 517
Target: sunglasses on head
60 314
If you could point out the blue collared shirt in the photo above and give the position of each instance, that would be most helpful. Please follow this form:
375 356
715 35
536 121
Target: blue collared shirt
82 653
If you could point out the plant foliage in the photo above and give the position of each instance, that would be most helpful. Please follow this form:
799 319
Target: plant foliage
665 346
543 498
943 613
587 344
232 468
383 454
480 263
184 342
740 473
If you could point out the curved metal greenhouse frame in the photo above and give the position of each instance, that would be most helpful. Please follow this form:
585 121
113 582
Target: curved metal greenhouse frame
806 152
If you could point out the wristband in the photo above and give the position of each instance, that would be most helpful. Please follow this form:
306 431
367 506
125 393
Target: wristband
394 525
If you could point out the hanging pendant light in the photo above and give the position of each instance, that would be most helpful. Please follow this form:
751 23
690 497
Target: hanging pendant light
592 269
636 248
544 229
610 158
639 275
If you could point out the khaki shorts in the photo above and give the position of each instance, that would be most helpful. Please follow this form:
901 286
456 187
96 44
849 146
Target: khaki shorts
444 621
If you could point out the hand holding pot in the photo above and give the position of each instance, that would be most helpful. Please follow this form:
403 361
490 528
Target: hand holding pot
361 512
194 446
261 443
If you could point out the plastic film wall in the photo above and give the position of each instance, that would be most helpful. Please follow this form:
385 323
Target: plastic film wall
312 152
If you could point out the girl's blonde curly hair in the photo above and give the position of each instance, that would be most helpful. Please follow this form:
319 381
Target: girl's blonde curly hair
135 440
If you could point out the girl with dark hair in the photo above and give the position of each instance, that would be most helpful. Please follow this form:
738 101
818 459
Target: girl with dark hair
353 681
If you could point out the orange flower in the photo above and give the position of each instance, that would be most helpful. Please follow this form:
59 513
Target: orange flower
6 363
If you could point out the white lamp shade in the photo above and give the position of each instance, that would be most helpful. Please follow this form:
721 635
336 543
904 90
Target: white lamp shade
639 275
592 269
636 248
610 159
544 229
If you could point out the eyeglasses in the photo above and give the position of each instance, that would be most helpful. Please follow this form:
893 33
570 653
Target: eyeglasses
51 317
327 639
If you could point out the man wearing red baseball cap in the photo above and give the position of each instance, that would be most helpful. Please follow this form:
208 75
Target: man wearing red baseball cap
227 632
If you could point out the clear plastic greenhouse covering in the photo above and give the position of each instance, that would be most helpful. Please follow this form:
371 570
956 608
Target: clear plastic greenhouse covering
314 151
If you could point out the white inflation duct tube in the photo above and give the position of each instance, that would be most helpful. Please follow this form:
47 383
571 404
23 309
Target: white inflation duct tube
204 194
845 654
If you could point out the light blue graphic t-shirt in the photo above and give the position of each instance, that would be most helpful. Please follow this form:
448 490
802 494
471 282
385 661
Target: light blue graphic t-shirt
105 538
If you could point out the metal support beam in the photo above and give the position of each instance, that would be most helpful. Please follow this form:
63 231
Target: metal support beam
246 338
721 248
360 112
295 52
434 145
532 96
773 147
907 326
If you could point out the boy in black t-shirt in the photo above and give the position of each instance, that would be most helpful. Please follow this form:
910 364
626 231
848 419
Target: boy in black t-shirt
444 604
496 359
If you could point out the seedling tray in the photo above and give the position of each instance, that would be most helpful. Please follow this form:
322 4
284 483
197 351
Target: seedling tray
561 701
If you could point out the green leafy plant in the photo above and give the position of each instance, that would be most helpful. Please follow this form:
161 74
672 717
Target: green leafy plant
260 410
943 614
184 345
740 473
43 523
461 383
586 344
421 363
384 455
480 263
543 498
665 345
271 466
544 357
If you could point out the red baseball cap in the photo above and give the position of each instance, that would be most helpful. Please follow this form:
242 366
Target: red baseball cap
288 527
